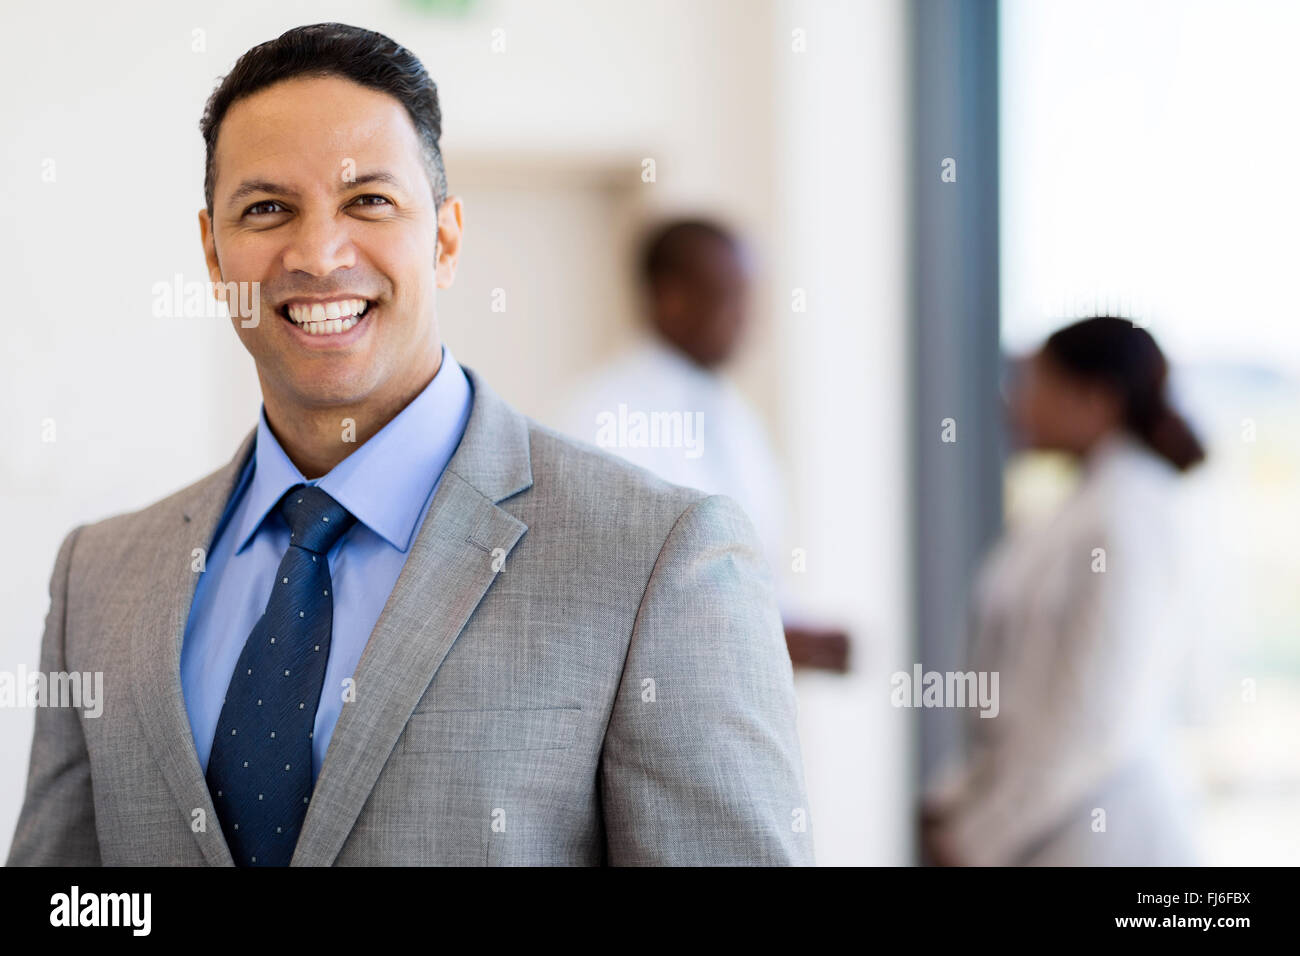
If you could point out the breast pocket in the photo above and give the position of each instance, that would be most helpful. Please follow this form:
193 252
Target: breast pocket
461 731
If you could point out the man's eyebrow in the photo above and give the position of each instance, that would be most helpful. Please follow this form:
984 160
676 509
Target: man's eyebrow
252 186
365 179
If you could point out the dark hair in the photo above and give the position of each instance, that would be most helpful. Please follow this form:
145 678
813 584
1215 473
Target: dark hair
666 248
333 49
1115 352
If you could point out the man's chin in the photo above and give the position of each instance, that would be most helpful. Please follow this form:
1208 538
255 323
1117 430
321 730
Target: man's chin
309 394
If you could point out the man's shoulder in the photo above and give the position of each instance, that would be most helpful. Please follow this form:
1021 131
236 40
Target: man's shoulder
596 494
129 528
590 478
621 514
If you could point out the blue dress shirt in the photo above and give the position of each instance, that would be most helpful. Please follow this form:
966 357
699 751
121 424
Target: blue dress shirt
388 484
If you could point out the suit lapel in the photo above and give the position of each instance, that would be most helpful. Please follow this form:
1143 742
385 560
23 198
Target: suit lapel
157 629
446 575
452 563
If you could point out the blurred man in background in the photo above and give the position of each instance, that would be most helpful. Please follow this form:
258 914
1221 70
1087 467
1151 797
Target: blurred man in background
664 404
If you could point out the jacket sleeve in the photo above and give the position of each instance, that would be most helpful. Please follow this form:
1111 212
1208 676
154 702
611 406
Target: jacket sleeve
57 824
701 762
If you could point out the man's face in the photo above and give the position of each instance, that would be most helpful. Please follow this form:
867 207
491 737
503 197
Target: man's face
321 196
701 306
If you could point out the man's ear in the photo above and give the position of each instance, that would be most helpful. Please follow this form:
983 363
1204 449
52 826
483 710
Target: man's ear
450 230
210 255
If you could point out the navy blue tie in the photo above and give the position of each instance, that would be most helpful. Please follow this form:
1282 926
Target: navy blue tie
259 771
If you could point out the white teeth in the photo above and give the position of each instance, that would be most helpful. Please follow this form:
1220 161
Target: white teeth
327 318
325 311
331 326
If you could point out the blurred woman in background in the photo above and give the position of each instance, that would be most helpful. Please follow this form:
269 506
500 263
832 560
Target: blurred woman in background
1077 613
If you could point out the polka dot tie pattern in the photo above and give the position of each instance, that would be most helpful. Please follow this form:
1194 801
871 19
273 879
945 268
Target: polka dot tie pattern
260 769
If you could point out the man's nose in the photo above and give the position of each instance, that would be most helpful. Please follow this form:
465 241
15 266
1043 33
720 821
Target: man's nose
319 245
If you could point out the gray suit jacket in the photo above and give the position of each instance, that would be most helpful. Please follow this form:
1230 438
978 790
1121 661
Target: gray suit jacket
579 664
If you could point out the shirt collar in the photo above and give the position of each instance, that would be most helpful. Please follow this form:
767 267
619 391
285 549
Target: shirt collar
385 482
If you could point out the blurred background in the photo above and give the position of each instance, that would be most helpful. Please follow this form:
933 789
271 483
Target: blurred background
923 191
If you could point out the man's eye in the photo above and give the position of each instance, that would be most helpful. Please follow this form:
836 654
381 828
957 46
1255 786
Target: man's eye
378 199
259 208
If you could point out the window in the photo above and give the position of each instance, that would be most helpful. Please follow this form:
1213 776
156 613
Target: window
1145 172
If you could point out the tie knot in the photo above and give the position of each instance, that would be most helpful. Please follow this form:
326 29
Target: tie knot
315 519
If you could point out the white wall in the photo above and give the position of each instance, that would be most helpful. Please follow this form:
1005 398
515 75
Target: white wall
842 149
804 152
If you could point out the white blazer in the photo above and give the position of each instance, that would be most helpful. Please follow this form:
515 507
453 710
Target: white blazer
1079 614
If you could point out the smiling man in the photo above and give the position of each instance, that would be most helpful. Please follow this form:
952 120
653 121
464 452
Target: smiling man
405 624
